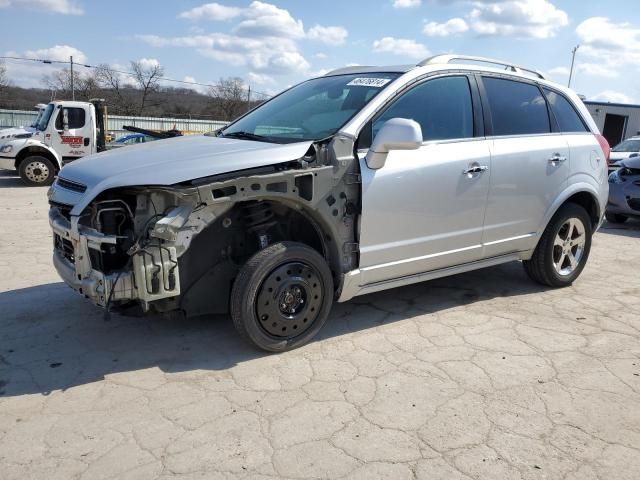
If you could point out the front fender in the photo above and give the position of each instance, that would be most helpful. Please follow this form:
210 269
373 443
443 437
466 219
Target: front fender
31 146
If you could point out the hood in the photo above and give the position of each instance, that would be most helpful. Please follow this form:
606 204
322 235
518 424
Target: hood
167 162
9 133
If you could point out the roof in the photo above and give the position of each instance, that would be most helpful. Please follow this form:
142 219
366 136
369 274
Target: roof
441 60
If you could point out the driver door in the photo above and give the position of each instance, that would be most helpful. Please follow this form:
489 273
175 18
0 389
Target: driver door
76 141
421 211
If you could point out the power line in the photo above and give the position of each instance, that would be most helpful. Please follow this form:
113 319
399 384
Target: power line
122 72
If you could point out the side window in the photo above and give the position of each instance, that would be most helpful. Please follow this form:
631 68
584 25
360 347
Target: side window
441 106
75 116
517 108
566 116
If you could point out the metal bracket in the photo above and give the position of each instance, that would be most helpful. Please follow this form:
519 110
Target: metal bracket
352 178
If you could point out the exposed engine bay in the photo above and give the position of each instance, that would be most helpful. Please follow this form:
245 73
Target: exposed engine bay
180 247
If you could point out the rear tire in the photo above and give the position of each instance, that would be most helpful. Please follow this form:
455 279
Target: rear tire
37 170
615 217
563 249
282 296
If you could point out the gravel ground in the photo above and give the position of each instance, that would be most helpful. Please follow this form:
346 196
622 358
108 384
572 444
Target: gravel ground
478 376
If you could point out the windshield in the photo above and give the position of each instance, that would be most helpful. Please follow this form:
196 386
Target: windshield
631 145
38 117
43 121
313 110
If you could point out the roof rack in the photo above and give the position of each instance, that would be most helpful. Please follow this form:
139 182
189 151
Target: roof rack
439 59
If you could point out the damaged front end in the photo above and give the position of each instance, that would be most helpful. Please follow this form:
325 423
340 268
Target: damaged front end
180 247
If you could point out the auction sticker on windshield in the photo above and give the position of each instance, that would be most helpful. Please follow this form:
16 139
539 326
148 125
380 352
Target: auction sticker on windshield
369 82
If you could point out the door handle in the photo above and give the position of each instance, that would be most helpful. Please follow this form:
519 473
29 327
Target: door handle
557 158
475 169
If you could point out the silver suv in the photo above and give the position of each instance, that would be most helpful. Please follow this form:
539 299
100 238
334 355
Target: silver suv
364 179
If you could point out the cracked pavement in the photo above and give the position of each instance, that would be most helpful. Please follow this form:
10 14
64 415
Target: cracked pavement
483 375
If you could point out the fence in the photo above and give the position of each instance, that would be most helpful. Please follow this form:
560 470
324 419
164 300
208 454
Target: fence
19 118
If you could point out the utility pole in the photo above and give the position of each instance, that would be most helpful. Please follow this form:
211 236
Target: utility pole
573 59
73 90
248 98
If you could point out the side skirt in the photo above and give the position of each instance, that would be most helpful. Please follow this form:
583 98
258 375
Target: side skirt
351 283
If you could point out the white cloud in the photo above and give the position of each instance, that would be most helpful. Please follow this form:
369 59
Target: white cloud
328 35
266 54
559 72
149 62
265 19
450 27
597 70
609 46
258 19
260 79
30 74
65 7
211 11
264 39
401 46
321 56
612 96
519 18
58 52
406 3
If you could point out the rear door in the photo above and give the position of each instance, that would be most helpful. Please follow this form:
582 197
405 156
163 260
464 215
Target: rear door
529 163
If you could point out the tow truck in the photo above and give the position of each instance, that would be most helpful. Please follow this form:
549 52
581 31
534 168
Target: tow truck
63 132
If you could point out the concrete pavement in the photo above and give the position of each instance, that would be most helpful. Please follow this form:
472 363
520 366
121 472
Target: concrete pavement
479 376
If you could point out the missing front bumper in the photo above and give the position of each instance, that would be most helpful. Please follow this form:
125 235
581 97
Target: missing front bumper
152 274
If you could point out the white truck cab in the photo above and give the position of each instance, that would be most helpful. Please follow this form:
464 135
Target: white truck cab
64 131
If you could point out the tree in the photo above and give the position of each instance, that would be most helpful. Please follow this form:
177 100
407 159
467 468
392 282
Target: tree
115 90
4 80
85 85
229 97
147 75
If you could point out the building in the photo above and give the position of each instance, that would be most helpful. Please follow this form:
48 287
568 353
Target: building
616 121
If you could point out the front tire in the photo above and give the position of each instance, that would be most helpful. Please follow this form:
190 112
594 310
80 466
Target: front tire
563 249
282 296
37 170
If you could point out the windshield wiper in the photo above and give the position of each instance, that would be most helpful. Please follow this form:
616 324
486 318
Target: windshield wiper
247 136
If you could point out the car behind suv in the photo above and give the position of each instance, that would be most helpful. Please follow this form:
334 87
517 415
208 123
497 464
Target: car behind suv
365 179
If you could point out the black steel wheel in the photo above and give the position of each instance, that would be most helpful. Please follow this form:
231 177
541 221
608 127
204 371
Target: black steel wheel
282 296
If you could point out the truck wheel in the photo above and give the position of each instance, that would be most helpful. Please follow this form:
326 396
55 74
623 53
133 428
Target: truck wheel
563 249
37 171
615 217
282 296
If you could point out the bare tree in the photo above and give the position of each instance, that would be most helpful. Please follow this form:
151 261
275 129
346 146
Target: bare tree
4 80
86 85
111 82
229 97
147 77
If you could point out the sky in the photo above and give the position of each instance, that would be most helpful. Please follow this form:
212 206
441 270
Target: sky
273 44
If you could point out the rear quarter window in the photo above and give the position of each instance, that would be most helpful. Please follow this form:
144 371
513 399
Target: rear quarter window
565 114
517 108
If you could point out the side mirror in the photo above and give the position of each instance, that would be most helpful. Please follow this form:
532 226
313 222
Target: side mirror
65 120
395 134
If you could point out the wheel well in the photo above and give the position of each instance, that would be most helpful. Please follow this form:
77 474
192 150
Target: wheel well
27 152
219 252
589 203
